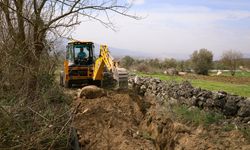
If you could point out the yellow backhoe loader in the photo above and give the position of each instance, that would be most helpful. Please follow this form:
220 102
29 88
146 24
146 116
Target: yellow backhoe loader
90 69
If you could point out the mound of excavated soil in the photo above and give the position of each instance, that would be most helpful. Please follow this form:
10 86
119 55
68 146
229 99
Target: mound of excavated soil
126 121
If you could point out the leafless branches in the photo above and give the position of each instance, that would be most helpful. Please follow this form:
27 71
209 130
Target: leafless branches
28 29
232 60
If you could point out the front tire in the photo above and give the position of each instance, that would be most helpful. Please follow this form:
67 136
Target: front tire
97 83
67 84
61 78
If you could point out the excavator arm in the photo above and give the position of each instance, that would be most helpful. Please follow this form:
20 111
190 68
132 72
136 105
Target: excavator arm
105 59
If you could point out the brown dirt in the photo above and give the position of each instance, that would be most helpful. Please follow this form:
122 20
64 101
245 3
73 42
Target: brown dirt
124 120
110 122
212 138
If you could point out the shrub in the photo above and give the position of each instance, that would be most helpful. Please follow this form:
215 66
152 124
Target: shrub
127 62
143 68
202 61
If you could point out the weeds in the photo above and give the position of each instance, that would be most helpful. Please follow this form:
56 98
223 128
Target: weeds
146 135
197 116
36 124
228 127
200 117
246 132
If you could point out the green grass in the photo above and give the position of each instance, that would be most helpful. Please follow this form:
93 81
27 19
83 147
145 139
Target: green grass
197 116
238 89
228 127
161 76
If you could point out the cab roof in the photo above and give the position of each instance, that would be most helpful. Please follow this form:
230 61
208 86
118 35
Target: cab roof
79 42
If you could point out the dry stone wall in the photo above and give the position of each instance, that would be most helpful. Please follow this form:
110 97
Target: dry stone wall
185 93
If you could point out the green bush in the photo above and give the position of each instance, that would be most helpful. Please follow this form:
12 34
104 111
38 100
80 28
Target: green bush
202 61
127 62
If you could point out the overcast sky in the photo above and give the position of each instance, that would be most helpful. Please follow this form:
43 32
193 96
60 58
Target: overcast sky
175 28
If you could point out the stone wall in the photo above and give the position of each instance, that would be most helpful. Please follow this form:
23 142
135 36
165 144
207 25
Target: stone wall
185 93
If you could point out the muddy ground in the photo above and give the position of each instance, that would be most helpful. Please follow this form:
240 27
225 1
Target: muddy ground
123 120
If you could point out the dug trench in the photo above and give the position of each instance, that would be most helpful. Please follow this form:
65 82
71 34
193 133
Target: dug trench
128 120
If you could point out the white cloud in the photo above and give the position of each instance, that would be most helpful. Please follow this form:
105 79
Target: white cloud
173 31
136 2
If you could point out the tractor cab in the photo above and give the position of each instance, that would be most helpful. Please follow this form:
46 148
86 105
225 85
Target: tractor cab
78 64
80 53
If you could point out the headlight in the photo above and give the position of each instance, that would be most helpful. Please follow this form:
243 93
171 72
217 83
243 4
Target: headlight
71 63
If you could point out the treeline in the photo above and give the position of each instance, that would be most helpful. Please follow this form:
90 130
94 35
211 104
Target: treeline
199 62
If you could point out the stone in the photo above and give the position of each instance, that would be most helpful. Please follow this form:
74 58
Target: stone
230 108
219 102
171 71
209 103
91 92
244 110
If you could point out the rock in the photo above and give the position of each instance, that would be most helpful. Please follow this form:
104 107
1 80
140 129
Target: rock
192 102
244 110
230 108
136 80
209 103
171 71
143 88
196 91
218 73
246 119
91 92
219 102
172 101
182 73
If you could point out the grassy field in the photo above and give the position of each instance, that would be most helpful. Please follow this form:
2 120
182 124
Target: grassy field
233 88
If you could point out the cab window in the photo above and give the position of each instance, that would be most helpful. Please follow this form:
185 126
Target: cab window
69 53
77 48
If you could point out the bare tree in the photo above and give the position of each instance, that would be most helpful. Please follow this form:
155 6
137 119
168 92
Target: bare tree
28 25
27 31
231 59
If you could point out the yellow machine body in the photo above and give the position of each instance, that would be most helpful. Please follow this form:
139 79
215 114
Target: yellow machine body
89 71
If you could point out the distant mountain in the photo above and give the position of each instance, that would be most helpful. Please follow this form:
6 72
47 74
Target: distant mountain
246 55
118 52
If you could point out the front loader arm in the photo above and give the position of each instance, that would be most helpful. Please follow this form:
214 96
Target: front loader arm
105 59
